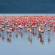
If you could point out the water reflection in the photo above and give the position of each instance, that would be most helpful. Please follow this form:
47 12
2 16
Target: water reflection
33 33
27 27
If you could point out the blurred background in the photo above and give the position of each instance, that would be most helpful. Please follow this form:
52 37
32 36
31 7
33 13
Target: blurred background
27 6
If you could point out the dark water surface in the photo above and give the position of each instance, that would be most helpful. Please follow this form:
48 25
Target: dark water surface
27 6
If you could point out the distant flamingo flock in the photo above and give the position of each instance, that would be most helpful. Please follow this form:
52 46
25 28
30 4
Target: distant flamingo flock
36 26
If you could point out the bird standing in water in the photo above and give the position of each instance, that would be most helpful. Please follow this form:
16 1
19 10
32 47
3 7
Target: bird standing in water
41 32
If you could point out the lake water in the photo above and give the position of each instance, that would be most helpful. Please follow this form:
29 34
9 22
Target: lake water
27 6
